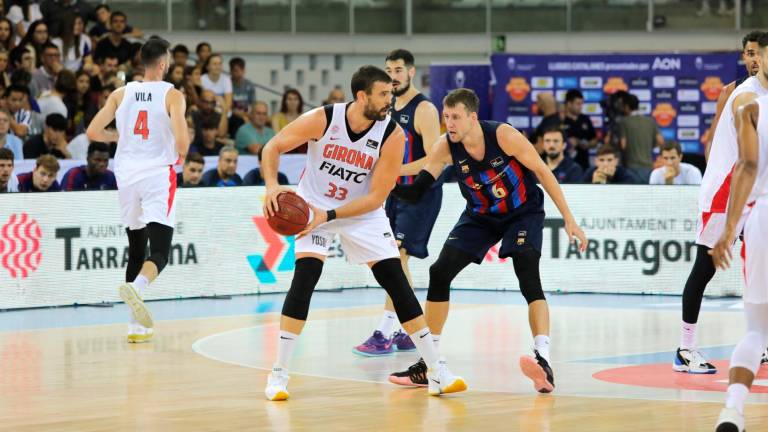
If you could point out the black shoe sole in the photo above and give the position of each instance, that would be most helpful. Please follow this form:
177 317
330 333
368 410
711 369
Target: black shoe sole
727 427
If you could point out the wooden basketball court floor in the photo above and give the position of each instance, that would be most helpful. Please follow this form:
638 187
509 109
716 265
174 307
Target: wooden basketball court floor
70 369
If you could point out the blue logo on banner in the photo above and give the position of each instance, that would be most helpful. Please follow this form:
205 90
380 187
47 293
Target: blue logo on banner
592 95
690 146
668 134
567 82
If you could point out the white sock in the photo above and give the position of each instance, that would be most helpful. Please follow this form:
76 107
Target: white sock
541 343
737 395
436 340
426 346
688 336
141 283
285 345
387 323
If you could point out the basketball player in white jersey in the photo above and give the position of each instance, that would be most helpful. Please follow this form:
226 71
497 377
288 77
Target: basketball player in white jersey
354 158
151 137
713 200
749 188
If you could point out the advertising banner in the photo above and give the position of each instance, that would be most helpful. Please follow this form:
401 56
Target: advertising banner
70 248
446 77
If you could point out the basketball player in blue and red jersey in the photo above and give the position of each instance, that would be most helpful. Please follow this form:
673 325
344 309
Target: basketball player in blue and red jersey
411 223
497 169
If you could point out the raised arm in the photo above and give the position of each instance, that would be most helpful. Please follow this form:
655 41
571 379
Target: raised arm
515 144
97 129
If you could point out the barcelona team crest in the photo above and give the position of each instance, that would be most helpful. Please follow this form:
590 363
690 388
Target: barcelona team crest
465 169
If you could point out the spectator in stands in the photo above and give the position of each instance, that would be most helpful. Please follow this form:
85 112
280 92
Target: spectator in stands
192 173
674 171
7 41
115 43
578 128
36 38
210 145
83 101
639 134
15 99
74 45
5 77
106 72
335 96
7 139
52 141
181 55
290 109
44 77
243 90
218 82
225 173
192 85
608 170
254 178
8 181
22 13
176 76
550 118
61 97
203 51
43 178
103 15
94 175
206 109
563 167
254 135
23 59
56 11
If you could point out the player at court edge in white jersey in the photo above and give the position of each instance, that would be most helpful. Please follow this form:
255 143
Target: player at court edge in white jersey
151 137
713 200
749 189
354 158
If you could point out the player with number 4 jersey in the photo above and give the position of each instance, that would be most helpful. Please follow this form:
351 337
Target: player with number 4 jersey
151 137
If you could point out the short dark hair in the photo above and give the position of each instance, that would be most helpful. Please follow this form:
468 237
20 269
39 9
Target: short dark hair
201 45
364 78
21 77
606 149
97 147
102 6
110 55
633 103
236 62
181 48
401 54
672 145
16 88
762 41
153 50
48 45
6 154
554 130
462 96
117 14
573 94
753 36
194 157
211 121
56 122
65 83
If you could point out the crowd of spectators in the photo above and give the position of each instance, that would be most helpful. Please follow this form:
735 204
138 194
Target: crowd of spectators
60 60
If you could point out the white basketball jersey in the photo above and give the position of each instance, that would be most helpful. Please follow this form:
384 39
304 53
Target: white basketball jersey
716 184
146 146
760 189
338 169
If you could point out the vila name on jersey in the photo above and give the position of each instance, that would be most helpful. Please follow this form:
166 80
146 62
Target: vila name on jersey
143 97
350 157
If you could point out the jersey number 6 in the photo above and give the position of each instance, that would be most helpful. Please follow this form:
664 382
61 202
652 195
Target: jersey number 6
499 191
141 127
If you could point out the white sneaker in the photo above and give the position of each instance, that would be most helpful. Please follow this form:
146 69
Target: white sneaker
277 385
139 334
764 359
140 311
730 421
442 381
692 361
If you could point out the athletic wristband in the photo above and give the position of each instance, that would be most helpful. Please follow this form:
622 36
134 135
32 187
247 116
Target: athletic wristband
330 215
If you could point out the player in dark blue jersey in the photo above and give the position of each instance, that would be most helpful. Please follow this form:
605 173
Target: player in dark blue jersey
411 222
497 168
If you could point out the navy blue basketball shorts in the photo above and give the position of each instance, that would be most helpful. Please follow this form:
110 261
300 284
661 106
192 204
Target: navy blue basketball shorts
476 234
412 223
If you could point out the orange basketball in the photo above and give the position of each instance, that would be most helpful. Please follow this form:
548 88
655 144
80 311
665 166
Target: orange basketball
293 215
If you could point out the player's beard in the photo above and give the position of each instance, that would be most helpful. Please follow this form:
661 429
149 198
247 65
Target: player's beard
371 113
404 87
553 155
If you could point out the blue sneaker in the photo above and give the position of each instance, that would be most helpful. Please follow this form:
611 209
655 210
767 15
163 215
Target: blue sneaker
376 345
403 342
